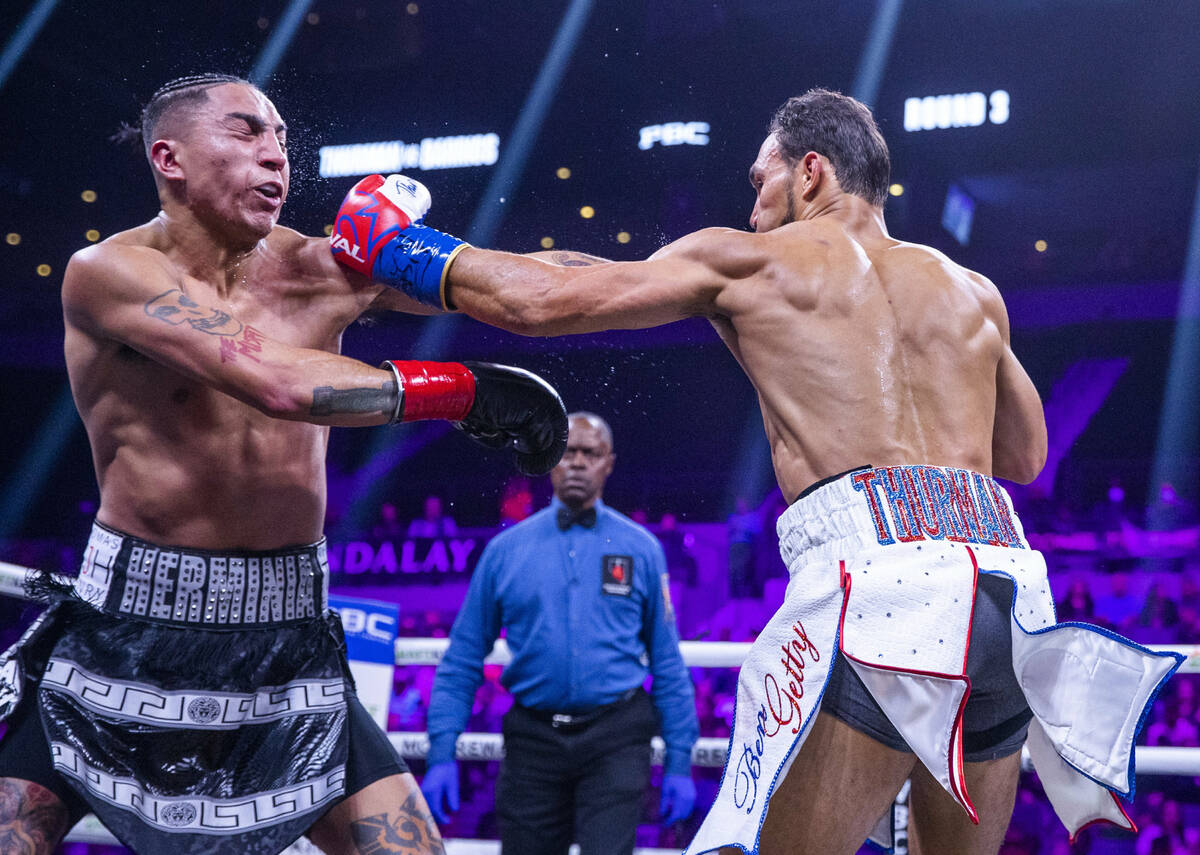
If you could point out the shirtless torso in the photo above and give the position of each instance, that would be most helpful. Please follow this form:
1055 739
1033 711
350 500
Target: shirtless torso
203 353
864 350
179 459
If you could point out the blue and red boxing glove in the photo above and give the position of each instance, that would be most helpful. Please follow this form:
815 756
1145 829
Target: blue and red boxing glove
378 232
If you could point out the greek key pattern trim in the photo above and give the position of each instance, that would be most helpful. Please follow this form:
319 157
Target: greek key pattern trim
200 814
191 710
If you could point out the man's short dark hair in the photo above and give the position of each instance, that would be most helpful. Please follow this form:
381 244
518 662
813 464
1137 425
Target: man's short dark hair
842 129
181 91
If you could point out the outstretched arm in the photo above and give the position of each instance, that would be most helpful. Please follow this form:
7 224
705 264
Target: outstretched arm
574 293
380 233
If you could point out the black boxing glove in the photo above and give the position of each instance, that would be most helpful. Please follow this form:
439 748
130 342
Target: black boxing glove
496 405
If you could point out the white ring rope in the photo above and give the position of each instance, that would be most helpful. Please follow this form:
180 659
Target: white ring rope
1150 760
711 752
429 651
89 830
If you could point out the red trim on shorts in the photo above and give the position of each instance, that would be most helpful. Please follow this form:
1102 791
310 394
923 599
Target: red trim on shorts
1101 820
956 772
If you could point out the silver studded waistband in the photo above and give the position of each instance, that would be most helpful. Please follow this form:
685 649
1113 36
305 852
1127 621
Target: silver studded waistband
195 587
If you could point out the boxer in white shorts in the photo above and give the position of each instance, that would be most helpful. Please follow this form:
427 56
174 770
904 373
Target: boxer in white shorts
863 349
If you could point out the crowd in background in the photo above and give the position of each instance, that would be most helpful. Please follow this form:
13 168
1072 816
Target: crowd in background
1153 599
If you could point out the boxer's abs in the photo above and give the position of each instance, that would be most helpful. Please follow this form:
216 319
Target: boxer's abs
182 464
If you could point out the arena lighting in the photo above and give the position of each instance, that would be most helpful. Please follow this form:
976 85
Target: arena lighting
398 156
1181 404
754 453
1040 245
278 43
563 173
387 449
27 480
43 270
24 36
958 213
88 196
966 110
12 238
547 242
673 133
508 174
623 237
896 189
875 53
587 212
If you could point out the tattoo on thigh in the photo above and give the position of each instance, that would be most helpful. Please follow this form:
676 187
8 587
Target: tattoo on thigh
408 830
328 401
32 819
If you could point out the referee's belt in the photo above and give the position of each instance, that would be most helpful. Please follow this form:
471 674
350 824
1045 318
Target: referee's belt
577 721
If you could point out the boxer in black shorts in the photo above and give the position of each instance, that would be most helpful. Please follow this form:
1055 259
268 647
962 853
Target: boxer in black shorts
197 698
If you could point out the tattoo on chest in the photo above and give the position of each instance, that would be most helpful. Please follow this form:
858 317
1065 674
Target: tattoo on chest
410 829
175 307
328 401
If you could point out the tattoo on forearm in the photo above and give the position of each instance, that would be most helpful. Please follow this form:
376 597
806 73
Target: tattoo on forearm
410 829
175 307
328 401
32 819
577 259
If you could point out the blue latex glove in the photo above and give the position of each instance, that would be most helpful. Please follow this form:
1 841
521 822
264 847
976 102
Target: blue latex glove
678 798
440 787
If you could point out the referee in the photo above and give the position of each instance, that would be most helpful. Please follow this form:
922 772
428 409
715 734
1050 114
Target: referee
583 594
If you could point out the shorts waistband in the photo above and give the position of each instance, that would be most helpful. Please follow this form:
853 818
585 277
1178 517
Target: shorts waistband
872 507
124 575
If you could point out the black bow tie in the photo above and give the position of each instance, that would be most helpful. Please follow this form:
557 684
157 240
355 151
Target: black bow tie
567 518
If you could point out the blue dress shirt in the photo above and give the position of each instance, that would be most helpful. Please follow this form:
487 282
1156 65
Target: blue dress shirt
585 610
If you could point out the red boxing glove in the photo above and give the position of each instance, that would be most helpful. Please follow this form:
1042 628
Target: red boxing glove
498 406
369 218
433 390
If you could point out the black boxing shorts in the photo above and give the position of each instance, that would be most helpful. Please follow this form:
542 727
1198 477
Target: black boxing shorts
196 701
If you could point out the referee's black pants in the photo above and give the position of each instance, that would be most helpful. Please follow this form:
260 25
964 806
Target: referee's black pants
586 784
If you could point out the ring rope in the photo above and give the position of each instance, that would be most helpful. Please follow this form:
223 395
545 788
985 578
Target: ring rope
711 752
707 752
429 651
